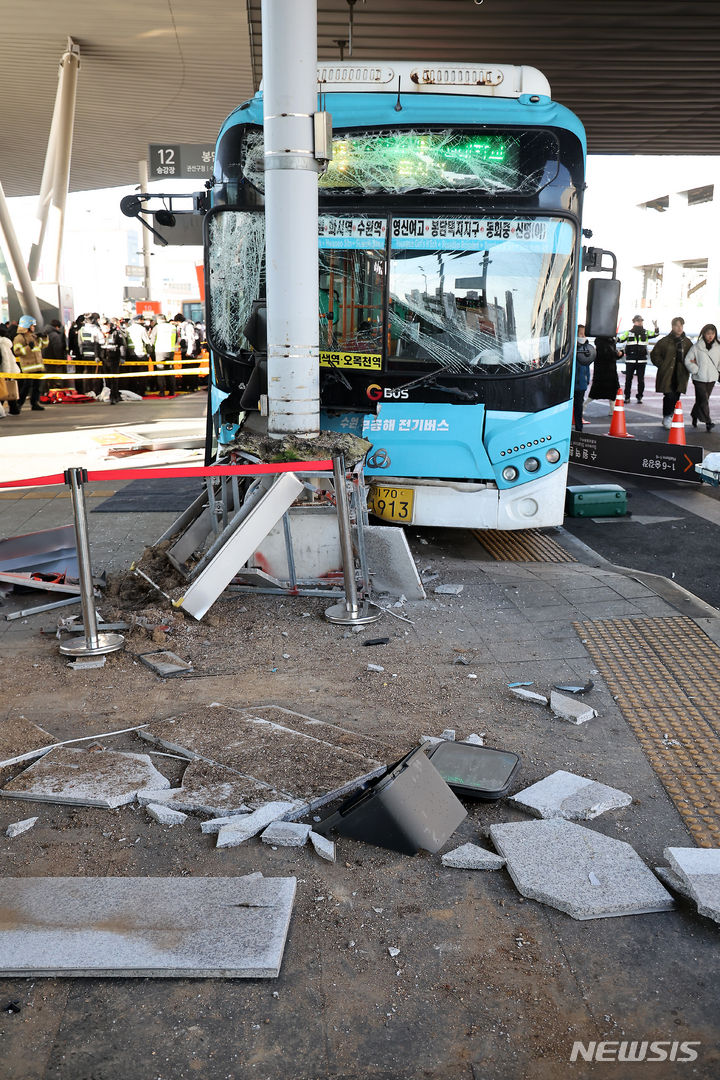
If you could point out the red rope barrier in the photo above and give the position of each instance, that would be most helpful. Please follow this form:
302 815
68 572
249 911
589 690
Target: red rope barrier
161 474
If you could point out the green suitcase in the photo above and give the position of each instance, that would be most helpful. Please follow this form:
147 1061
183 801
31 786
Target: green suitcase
596 500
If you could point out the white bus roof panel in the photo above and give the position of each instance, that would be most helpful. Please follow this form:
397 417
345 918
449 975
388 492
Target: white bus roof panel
481 80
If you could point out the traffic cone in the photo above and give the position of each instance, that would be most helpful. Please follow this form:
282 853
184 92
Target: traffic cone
617 424
677 427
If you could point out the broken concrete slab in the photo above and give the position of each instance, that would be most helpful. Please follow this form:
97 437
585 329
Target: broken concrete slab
145 927
699 868
17 828
245 826
286 834
323 847
105 778
214 825
673 881
473 857
391 566
577 712
528 695
300 758
448 590
210 789
164 815
566 795
581 872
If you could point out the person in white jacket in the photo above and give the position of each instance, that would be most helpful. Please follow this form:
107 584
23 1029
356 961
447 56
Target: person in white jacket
703 363
8 366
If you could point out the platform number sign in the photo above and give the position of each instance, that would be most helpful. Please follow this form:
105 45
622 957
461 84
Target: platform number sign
184 160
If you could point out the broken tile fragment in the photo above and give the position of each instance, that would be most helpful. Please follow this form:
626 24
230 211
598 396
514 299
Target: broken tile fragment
286 834
566 795
105 778
323 847
528 695
244 826
214 825
475 740
164 815
210 789
581 872
448 590
19 827
473 857
576 712
448 734
699 868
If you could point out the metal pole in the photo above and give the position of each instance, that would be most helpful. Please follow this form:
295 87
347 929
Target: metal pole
144 182
69 67
350 613
46 186
93 643
291 215
21 276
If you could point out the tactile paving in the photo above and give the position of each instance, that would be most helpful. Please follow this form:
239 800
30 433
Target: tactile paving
525 545
665 676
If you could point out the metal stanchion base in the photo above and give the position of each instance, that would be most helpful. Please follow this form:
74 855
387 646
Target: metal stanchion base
105 643
345 616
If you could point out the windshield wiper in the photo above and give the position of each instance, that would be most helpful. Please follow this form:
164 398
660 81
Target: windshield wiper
431 378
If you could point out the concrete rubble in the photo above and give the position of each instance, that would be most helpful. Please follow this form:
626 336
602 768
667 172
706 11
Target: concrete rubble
673 881
323 847
473 857
133 927
286 834
528 695
566 795
699 870
569 709
97 777
164 815
581 872
245 826
17 828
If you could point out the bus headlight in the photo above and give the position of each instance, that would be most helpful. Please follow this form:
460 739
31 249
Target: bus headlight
510 473
532 464
553 456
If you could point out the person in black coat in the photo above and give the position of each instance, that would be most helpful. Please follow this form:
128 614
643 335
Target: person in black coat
605 383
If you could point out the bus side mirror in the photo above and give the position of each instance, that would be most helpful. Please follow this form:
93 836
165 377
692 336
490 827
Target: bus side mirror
603 307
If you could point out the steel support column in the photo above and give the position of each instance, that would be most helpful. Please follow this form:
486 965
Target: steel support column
56 172
291 215
21 278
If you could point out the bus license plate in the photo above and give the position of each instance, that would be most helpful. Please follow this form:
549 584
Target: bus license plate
392 504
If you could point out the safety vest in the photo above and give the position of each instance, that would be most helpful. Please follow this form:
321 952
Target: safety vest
165 338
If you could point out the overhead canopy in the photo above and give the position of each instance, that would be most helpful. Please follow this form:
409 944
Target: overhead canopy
640 76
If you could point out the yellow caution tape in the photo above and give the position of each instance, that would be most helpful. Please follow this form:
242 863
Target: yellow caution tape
127 363
54 377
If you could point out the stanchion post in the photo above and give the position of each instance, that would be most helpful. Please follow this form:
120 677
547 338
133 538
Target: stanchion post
349 613
93 643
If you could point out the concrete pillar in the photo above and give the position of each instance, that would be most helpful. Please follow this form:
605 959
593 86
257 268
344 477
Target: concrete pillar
21 278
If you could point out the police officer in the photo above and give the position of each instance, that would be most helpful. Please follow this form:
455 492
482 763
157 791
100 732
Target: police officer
634 342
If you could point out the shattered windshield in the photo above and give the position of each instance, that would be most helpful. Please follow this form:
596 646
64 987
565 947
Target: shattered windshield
480 296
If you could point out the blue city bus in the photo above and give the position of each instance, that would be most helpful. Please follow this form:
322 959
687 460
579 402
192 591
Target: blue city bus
449 248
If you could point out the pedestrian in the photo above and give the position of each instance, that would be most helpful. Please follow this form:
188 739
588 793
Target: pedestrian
9 392
28 347
164 338
634 344
114 355
584 357
703 363
668 356
605 383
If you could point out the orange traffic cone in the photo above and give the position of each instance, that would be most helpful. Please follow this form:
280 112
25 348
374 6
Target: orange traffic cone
677 427
617 424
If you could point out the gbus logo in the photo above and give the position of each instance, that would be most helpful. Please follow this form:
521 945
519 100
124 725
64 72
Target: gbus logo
378 393
634 1051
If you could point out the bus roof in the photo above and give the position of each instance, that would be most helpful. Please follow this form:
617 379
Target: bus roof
496 80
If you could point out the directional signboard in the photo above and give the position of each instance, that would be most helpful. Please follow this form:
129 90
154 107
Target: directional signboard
181 160
635 456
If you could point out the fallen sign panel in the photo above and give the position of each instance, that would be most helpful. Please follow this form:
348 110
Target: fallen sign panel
636 457
145 927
